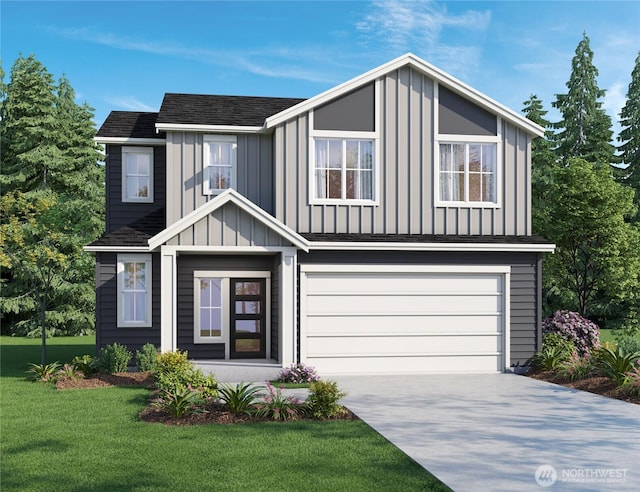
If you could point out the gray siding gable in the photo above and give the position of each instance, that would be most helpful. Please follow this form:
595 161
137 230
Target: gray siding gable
352 112
459 116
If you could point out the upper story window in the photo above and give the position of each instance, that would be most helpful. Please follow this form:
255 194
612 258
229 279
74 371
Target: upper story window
137 174
134 290
219 163
468 172
344 169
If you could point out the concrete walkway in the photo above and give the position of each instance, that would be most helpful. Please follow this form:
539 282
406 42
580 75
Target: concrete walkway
501 432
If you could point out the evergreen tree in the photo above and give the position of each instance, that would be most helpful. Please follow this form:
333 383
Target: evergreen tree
630 133
585 129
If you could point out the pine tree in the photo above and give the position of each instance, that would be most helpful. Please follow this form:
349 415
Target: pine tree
585 129
630 133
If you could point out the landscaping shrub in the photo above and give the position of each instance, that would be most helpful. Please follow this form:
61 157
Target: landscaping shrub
44 372
616 365
323 399
147 357
628 345
631 384
555 350
173 362
584 334
114 358
241 398
69 371
576 367
180 379
180 402
86 364
298 373
277 406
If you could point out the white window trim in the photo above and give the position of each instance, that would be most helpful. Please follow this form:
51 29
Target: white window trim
464 139
346 135
226 277
233 140
121 260
136 150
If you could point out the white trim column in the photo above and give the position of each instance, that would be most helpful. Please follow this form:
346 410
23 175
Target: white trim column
287 299
168 298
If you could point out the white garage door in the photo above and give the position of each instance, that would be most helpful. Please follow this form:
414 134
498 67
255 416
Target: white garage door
384 319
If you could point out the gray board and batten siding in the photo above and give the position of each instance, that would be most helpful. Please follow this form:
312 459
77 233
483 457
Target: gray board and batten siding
119 213
107 330
406 162
526 281
185 172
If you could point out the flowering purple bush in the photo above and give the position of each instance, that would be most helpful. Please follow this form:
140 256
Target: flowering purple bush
584 334
298 374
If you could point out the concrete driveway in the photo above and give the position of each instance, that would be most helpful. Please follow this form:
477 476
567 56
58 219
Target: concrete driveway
503 432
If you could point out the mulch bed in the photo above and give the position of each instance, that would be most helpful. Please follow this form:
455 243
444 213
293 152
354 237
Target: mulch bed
215 412
593 384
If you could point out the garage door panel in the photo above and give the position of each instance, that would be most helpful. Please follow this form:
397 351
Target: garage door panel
327 366
381 325
391 305
408 345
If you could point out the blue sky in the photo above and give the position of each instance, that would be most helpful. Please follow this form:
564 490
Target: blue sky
125 55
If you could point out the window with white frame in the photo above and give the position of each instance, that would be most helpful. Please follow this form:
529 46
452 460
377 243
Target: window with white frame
344 169
219 163
137 174
468 172
134 290
209 312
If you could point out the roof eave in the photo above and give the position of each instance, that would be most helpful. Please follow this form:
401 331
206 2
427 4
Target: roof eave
188 127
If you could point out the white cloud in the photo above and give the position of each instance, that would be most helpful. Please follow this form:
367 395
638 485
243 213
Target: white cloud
129 103
615 99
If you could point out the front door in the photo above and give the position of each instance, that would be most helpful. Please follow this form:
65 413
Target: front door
248 330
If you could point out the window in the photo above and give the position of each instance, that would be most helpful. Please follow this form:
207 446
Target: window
134 290
344 169
468 172
137 174
219 163
208 315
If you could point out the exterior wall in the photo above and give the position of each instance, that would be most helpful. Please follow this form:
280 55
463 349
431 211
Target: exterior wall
525 280
406 179
185 173
107 331
352 112
228 226
186 265
119 213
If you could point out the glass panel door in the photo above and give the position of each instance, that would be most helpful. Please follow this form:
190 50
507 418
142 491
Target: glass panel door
248 318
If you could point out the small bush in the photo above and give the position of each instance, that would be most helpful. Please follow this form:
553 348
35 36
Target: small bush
616 365
631 384
298 374
241 398
584 334
628 345
147 357
173 362
550 357
609 345
576 367
114 358
44 372
180 402
86 364
180 380
277 406
69 371
323 399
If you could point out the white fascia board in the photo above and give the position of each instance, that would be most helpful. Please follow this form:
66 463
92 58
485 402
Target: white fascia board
130 140
412 268
208 128
471 247
412 60
240 201
117 249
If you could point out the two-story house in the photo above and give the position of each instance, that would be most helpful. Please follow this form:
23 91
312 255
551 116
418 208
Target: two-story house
383 226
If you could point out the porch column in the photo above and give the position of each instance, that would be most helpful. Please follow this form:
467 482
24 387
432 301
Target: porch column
287 298
168 298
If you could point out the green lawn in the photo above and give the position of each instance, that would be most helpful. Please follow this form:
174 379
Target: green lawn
92 440
608 336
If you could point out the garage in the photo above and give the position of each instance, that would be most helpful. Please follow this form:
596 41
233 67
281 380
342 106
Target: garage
403 319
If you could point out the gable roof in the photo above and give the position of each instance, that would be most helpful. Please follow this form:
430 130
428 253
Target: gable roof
229 196
129 124
411 60
213 112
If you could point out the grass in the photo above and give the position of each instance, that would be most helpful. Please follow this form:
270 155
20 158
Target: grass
609 335
91 439
278 384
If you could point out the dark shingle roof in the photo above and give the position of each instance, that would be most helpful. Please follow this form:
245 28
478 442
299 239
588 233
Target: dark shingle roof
424 238
137 233
132 124
199 109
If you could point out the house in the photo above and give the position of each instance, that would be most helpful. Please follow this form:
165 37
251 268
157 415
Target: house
382 226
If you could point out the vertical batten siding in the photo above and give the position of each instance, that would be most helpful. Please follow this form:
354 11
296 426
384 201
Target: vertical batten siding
406 174
107 331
